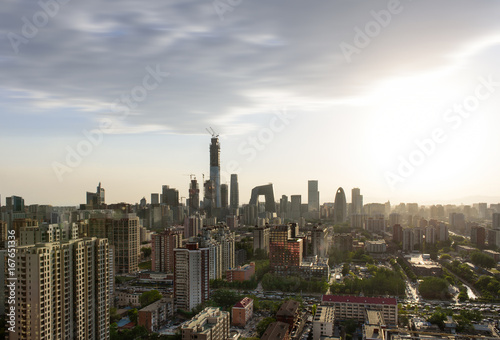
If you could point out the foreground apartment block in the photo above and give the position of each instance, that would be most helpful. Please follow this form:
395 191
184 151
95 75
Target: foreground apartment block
62 290
191 283
210 324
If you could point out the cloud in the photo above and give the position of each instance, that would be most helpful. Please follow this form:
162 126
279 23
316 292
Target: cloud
221 72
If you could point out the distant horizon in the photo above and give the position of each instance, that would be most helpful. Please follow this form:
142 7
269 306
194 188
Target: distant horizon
468 200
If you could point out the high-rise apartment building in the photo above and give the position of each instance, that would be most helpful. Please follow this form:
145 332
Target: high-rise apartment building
261 239
235 193
162 250
215 168
408 240
496 221
442 232
192 278
430 235
457 222
313 196
478 235
192 226
318 241
123 234
397 233
62 290
285 250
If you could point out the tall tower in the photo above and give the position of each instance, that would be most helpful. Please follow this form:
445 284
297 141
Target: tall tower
224 195
340 207
235 192
215 167
356 202
194 196
313 196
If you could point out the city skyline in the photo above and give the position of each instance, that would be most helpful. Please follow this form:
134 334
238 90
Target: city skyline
359 95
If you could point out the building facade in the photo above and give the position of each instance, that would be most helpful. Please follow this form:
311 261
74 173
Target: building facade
62 290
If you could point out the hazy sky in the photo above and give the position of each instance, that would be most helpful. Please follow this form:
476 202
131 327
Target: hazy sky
338 91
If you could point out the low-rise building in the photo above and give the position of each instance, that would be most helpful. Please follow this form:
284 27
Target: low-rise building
277 331
377 247
324 322
242 312
155 315
354 307
210 324
241 273
423 265
127 298
289 313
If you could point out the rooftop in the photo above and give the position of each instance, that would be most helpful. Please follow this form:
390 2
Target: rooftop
275 331
243 303
289 308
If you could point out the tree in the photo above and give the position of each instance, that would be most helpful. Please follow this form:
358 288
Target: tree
482 260
113 315
146 251
263 324
133 314
445 257
113 331
149 297
225 298
345 269
438 318
434 288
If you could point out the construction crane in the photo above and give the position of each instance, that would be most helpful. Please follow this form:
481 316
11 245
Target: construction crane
190 176
212 132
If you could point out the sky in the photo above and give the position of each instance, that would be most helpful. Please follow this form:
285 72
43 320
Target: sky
398 98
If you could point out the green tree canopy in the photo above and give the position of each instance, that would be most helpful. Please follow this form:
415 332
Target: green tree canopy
434 288
482 260
149 297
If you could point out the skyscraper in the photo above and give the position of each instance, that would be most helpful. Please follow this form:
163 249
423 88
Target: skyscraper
96 200
235 192
296 206
313 196
224 195
357 201
340 207
169 196
194 196
215 168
